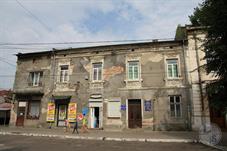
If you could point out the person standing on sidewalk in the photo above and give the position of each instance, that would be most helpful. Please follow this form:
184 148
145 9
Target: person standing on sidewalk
75 127
84 125
67 125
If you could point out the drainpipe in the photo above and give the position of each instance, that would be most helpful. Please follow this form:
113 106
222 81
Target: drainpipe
200 80
53 66
189 110
53 80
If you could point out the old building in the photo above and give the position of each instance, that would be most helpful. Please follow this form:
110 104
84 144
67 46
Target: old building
151 85
5 106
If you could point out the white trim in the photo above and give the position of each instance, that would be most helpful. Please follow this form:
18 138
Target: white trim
59 72
175 111
93 61
177 57
126 113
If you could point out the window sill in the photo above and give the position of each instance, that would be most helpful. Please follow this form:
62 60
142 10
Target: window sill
113 117
137 80
172 79
100 81
62 82
35 86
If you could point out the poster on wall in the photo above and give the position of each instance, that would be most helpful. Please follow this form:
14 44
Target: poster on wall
147 105
72 112
50 112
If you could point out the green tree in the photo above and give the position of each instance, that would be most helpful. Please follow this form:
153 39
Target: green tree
212 15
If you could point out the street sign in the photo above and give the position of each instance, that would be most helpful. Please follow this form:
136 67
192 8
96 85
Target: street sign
123 107
80 116
84 110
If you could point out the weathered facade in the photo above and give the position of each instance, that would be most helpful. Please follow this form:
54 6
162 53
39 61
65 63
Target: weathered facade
142 85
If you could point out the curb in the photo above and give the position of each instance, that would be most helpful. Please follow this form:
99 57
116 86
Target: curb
102 138
214 146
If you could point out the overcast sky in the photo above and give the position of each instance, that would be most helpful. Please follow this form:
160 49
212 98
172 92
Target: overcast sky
27 21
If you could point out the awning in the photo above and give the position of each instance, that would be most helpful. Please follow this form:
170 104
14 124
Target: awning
5 106
62 97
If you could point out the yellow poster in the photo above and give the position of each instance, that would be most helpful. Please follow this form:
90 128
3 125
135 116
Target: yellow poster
50 112
72 112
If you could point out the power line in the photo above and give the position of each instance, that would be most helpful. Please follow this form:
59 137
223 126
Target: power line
8 63
31 14
85 42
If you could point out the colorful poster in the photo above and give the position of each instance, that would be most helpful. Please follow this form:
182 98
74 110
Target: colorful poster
72 112
123 107
50 112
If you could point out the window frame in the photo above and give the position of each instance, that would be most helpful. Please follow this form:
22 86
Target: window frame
35 78
175 106
133 70
64 74
97 69
172 68
28 116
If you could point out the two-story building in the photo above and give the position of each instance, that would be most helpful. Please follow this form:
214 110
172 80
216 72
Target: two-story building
151 85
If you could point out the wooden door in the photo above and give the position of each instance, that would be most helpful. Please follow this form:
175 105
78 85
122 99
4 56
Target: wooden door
20 116
134 114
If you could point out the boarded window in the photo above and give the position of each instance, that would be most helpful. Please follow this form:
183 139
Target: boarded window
114 109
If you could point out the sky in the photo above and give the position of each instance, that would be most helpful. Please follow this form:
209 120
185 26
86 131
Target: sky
54 21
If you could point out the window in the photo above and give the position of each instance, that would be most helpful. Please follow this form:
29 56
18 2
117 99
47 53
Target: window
97 71
175 106
172 67
64 73
35 78
33 110
113 108
133 70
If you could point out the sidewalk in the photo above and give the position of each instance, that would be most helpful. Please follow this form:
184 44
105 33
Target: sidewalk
127 135
108 135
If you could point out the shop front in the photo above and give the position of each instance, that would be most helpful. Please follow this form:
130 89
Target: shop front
61 109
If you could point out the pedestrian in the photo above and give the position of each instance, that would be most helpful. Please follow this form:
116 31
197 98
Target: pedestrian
84 125
75 127
67 125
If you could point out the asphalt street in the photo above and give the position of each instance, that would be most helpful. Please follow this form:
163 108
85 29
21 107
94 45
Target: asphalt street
29 143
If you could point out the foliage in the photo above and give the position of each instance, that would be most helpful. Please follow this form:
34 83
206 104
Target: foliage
212 15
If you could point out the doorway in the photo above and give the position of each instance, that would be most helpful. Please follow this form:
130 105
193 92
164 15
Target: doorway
95 117
61 114
20 116
134 113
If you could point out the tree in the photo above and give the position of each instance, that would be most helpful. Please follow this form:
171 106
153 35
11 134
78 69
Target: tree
212 15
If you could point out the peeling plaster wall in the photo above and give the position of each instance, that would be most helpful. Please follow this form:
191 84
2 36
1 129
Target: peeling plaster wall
153 86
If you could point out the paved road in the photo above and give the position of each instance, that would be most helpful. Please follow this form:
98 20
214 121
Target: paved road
26 143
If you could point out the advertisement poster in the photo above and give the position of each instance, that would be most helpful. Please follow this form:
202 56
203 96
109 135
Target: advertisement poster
50 112
147 106
72 112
